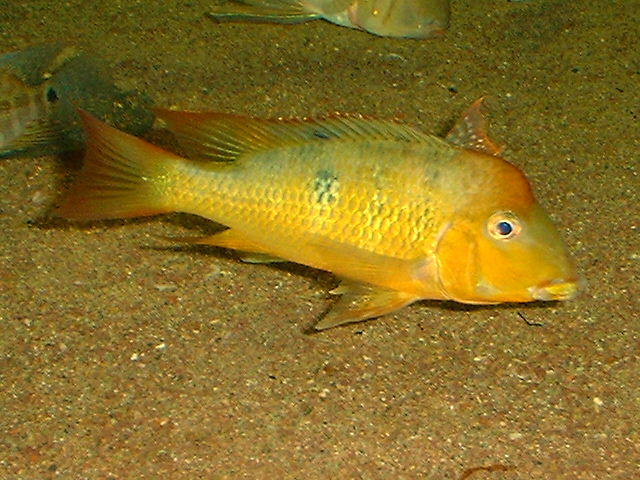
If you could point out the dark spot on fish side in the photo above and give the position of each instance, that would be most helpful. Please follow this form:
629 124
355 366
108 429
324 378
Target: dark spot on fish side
320 134
325 187
52 95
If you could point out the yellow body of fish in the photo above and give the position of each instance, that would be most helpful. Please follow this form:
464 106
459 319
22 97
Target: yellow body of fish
398 215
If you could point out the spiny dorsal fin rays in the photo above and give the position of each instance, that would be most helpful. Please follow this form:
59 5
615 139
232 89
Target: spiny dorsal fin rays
470 133
225 137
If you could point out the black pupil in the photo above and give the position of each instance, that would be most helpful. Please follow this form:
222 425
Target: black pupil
504 228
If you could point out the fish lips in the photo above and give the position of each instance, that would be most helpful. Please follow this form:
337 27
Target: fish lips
557 289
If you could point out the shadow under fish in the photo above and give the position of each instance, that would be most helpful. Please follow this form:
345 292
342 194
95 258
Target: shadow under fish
387 18
42 86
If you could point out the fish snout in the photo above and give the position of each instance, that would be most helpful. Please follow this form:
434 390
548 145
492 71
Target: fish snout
556 289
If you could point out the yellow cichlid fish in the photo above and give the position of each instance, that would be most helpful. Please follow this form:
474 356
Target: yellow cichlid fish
387 18
397 214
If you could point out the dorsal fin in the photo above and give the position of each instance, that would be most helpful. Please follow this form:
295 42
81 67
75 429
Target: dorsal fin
226 137
470 133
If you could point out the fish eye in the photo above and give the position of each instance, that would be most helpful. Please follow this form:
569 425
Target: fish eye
503 225
504 228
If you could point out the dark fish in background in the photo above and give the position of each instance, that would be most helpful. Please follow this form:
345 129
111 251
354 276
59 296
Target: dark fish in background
42 86
387 18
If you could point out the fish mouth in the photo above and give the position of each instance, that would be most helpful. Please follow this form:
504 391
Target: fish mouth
556 289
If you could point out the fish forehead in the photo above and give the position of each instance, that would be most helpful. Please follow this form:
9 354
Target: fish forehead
486 183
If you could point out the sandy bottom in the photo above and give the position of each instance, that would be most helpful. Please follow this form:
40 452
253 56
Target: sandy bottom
121 360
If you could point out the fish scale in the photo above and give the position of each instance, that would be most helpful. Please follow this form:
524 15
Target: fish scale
279 194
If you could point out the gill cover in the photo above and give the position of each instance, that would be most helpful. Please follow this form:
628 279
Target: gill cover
456 256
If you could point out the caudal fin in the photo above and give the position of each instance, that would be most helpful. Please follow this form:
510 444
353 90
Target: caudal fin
122 176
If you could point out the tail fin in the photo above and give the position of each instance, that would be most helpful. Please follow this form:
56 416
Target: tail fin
122 176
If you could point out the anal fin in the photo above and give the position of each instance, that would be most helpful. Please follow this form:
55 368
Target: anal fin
362 301
251 252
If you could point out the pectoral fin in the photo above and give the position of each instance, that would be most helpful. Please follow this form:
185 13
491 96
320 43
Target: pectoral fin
418 275
360 301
